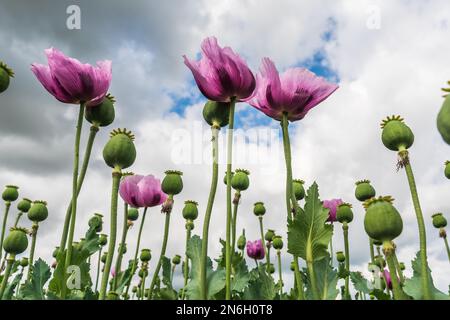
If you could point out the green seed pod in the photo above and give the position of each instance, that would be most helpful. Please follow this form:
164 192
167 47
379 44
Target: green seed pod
24 205
240 180
142 272
277 242
176 260
340 256
132 214
259 209
172 183
364 190
96 222
103 240
443 120
377 242
55 252
120 152
146 255
10 194
402 266
134 289
382 221
271 268
119 249
380 262
396 134
38 211
101 115
5 74
269 235
439 220
104 257
447 169
190 210
16 242
292 267
344 213
242 241
23 262
298 189
189 225
225 177
216 114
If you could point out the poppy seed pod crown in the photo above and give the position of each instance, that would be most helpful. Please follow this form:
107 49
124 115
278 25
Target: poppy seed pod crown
439 220
146 255
344 213
120 152
16 242
298 189
277 242
382 221
396 135
38 211
364 190
259 209
269 235
103 114
216 114
190 210
10 194
172 183
240 180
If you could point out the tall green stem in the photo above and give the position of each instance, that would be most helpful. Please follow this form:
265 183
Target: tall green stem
347 261
372 253
112 234
5 219
186 262
209 207
280 273
122 245
161 255
228 223
87 154
312 278
426 288
396 288
237 197
447 247
397 267
261 230
34 231
331 252
19 215
136 252
76 158
98 268
9 264
298 280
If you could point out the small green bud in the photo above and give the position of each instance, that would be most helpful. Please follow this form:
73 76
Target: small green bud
176 259
364 190
120 152
443 120
242 241
124 250
10 194
38 211
16 242
259 209
132 214
101 115
277 242
240 180
344 213
172 183
340 256
142 273
225 177
271 268
269 235
24 205
104 257
23 262
402 266
5 74
382 221
134 289
103 240
439 220
447 169
396 135
96 222
190 210
292 267
146 255
380 262
189 225
298 189
216 114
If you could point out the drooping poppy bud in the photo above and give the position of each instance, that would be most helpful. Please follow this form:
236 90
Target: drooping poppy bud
103 240
96 222
241 242
176 259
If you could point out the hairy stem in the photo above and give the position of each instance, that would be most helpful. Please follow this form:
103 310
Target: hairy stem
186 263
34 231
9 264
121 245
98 268
280 273
347 261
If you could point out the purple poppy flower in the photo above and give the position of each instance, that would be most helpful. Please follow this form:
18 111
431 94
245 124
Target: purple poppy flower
294 92
71 81
255 249
221 74
387 277
139 191
332 205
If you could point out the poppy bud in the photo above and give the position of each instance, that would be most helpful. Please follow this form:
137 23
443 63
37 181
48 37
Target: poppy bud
38 211
172 183
16 242
101 115
277 242
96 222
146 255
396 135
190 210
292 267
443 120
132 214
340 257
5 74
344 213
23 262
24 205
142 273
10 194
189 225
242 241
271 268
240 180
124 250
382 221
298 189
225 177
134 289
176 260
216 114
447 169
104 257
259 209
364 190
439 220
380 262
120 152
103 240
402 266
269 235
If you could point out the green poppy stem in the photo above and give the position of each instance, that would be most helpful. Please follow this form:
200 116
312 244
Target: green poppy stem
312 278
397 267
161 255
34 230
396 288
19 215
136 252
331 252
237 197
280 272
372 253
347 261
5 219
186 263
98 268
121 246
228 221
426 287
261 230
144 277
447 247
87 154
112 234
9 265
209 207
298 280
76 158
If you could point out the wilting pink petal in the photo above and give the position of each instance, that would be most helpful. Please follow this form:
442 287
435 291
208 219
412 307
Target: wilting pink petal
221 74
295 92
332 205
141 191
255 249
71 81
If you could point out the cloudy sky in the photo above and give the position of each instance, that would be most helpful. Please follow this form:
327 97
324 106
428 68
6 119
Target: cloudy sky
389 57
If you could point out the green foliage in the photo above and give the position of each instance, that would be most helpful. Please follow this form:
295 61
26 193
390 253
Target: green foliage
261 288
308 235
10 289
34 289
326 278
413 286
359 282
